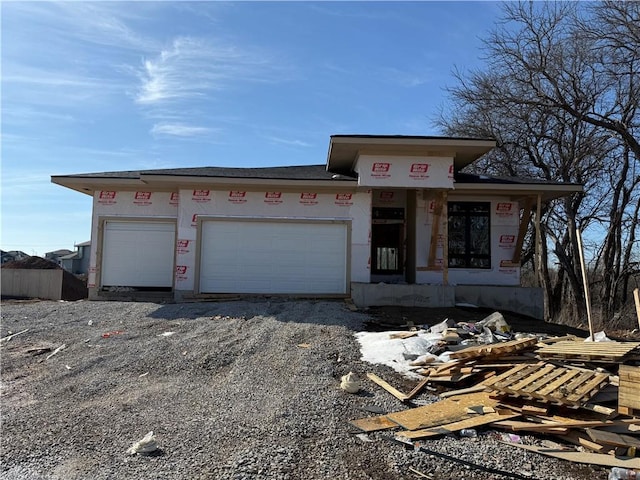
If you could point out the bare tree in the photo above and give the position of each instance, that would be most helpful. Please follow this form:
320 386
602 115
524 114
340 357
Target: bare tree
560 93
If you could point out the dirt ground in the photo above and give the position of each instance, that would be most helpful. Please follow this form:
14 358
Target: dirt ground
232 390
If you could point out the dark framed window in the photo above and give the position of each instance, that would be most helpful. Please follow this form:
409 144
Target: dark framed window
469 233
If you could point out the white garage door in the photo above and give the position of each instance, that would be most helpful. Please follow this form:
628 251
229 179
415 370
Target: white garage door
273 257
138 254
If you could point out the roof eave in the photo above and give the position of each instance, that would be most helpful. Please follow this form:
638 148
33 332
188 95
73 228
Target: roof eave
344 149
546 191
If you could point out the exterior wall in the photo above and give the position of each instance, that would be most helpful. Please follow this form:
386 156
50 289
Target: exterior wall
385 171
505 218
45 284
354 207
188 204
125 204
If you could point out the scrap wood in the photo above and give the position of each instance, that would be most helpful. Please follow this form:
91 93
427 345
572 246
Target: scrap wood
582 440
373 424
549 383
389 388
628 396
589 351
518 426
9 337
548 341
402 335
550 424
403 397
582 457
56 351
613 439
444 411
448 428
452 393
495 349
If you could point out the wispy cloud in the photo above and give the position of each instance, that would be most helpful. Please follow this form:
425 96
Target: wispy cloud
180 130
407 78
193 67
290 142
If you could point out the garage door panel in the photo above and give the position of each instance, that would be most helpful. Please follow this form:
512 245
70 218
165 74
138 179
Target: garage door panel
273 257
138 254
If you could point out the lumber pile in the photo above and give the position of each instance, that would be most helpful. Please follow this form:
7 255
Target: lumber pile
585 394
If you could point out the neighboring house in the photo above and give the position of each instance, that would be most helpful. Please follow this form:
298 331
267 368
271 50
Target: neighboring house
78 261
56 255
387 220
12 255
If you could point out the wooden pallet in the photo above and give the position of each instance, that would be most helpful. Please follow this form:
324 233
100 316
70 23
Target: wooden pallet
494 349
549 383
589 351
629 390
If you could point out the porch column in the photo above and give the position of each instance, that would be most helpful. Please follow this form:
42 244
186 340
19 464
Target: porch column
410 237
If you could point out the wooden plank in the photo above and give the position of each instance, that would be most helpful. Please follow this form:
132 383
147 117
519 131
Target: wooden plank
531 379
611 438
582 457
444 411
463 391
513 373
389 388
629 388
549 383
590 351
418 388
532 427
495 349
445 429
522 230
636 298
373 424
582 439
517 426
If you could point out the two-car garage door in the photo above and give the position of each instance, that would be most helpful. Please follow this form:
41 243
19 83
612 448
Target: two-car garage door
240 256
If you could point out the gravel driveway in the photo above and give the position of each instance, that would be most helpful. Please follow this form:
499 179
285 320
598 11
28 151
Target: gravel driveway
240 390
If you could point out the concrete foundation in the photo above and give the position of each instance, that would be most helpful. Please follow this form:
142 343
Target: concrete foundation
523 300
379 294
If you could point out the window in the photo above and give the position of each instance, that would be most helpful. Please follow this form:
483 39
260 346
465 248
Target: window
469 234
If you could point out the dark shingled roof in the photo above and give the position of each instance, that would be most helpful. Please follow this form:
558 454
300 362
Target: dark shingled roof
298 172
474 178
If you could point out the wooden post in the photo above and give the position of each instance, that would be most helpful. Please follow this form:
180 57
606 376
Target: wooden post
636 297
585 282
538 242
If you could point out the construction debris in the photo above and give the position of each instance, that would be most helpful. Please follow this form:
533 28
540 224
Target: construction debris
350 383
585 393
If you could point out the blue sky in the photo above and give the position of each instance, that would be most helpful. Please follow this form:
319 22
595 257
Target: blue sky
107 86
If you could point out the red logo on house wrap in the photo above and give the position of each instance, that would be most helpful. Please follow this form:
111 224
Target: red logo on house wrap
107 198
386 196
505 209
380 170
174 199
308 198
182 246
507 240
273 198
419 170
194 220
181 272
201 196
237 197
344 199
142 198
451 171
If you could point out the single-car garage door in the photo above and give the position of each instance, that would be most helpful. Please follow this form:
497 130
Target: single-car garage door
138 254
240 256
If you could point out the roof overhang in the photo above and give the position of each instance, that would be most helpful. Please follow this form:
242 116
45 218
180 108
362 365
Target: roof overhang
89 185
344 149
547 192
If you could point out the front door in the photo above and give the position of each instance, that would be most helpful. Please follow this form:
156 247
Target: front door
386 248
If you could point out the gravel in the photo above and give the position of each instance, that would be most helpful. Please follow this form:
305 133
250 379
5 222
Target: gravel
233 393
